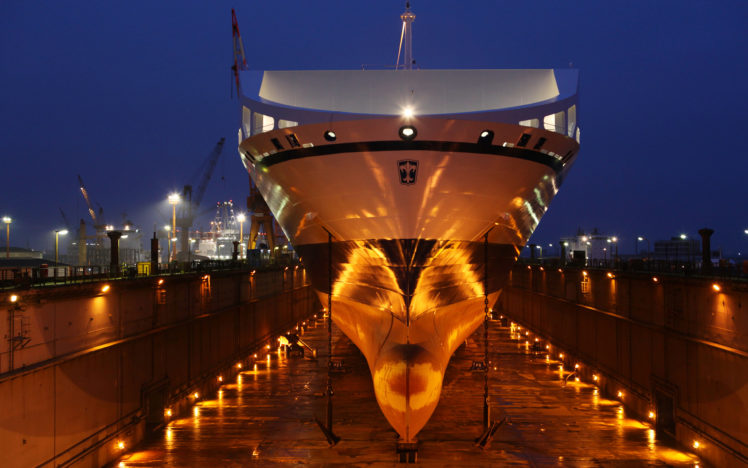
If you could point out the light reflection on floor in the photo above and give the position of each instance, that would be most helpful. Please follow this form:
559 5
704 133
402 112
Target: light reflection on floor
266 416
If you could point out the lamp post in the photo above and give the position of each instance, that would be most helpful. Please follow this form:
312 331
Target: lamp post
58 233
7 221
174 201
167 228
241 218
615 243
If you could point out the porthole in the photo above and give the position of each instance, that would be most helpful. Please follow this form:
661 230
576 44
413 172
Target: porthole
330 136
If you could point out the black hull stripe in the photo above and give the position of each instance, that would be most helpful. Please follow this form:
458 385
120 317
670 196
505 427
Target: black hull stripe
416 145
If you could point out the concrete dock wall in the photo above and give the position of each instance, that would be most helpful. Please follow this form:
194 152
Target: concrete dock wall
672 345
87 372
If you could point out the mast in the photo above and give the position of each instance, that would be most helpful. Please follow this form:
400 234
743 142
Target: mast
408 17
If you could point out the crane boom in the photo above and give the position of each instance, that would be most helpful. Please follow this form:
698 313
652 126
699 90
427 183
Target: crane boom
191 204
88 200
240 61
212 161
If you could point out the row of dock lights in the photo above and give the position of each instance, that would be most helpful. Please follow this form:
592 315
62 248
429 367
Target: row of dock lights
194 397
516 330
716 287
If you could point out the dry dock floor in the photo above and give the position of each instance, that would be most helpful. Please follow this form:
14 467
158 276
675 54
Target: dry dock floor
266 417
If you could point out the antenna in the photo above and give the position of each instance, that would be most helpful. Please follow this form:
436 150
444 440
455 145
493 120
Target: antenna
407 33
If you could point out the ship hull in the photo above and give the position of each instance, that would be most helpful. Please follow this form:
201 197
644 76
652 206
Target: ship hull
413 238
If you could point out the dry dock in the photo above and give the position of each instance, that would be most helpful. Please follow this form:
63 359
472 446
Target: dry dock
266 416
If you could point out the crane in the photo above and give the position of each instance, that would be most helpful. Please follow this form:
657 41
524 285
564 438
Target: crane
98 221
190 204
88 200
68 226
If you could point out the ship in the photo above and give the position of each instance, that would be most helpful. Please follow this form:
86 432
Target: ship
408 193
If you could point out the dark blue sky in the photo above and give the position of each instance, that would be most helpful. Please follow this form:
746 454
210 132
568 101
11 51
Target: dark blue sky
134 95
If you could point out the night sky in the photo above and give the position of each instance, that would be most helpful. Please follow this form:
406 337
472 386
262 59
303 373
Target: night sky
134 95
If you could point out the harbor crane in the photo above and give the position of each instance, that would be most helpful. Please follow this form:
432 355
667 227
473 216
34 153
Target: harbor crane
191 201
98 221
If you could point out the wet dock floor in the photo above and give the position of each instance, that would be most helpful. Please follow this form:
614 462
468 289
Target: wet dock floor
266 416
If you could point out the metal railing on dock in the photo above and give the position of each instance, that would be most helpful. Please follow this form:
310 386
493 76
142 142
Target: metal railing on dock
28 277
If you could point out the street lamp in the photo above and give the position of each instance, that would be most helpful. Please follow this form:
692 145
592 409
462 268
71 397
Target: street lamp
241 218
174 201
7 221
167 228
58 233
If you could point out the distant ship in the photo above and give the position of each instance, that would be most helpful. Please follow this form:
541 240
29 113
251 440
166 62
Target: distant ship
408 194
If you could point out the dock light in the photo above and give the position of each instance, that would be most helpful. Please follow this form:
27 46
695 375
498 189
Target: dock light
13 298
168 412
105 288
160 281
548 347
561 356
595 377
121 445
716 287
620 394
537 339
610 275
239 364
485 138
220 378
255 356
584 272
683 236
696 444
560 270
655 279
529 267
542 269
196 395
268 346
651 415
576 366
576 379
407 132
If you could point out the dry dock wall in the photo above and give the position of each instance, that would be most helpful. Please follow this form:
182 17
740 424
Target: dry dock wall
92 370
673 345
